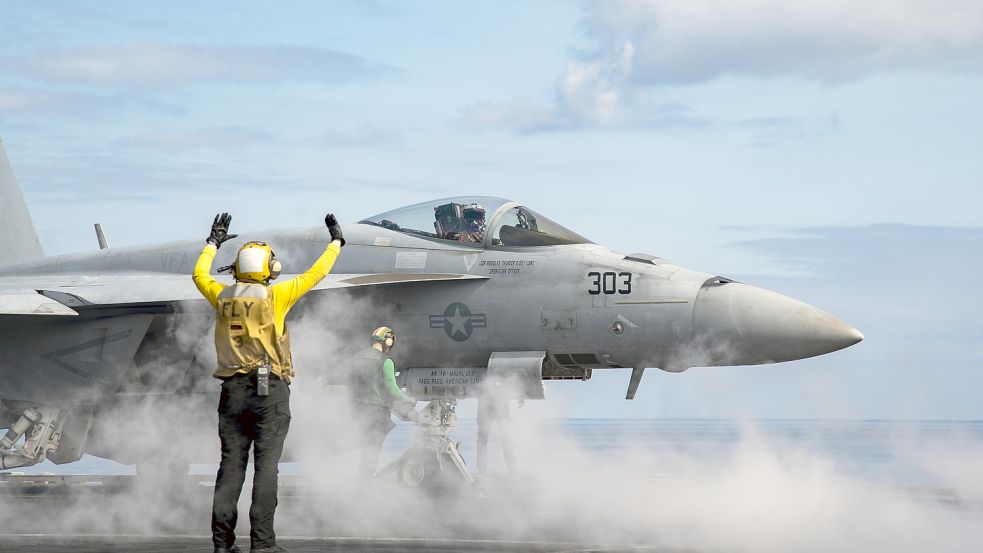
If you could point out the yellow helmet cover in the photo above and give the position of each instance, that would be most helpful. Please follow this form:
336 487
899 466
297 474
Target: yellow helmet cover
256 261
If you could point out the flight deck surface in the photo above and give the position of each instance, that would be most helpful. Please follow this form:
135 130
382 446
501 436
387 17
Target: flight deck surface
89 514
112 513
194 544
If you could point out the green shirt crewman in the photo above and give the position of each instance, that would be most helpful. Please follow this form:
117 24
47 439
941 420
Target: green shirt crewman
372 389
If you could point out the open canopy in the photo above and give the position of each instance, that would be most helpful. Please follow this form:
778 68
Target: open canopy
477 220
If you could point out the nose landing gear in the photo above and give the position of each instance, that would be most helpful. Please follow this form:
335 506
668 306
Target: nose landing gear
434 462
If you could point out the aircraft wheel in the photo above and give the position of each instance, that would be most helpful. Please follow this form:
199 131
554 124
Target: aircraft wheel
420 469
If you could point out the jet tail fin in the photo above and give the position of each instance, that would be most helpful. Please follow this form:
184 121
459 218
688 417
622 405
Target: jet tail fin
18 238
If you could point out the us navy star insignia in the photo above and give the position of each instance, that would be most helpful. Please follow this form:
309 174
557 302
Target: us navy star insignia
458 322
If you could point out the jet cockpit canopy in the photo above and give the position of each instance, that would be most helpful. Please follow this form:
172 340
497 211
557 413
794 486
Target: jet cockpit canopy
468 219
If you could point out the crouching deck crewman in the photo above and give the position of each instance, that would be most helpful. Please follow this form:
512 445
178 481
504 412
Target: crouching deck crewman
373 393
254 365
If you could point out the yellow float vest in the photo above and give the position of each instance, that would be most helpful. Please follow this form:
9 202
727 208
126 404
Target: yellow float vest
245 333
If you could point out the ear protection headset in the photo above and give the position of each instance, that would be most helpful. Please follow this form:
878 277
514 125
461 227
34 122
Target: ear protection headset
382 334
256 261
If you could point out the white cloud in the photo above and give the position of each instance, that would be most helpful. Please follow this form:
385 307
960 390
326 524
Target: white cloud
17 100
522 114
158 64
588 92
364 136
67 103
637 44
680 41
210 138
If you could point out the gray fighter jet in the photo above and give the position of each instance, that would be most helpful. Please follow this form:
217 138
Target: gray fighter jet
474 286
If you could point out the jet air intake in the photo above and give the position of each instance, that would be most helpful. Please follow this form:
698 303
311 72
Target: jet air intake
737 324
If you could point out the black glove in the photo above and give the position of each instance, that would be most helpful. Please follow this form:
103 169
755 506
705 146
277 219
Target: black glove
334 228
220 230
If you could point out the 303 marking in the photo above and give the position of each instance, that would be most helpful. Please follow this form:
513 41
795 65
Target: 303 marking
609 283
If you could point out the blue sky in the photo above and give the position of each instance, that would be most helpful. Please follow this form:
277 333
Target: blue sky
829 150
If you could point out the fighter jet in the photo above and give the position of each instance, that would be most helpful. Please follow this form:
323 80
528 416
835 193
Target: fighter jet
473 285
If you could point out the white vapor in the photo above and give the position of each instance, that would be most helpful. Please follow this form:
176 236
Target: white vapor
760 492
764 493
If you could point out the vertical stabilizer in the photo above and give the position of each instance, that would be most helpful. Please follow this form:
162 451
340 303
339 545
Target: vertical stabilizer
18 238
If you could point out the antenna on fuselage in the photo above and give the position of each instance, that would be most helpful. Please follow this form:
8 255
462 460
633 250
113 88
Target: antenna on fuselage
101 237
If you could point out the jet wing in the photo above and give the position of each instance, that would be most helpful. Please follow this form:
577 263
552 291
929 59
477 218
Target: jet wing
344 281
30 302
61 295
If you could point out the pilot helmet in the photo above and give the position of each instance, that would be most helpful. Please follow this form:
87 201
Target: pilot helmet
381 334
256 261
474 218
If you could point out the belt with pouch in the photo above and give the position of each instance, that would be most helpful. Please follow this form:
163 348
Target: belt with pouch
260 376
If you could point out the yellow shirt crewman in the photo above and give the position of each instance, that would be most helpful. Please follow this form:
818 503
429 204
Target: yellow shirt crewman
253 349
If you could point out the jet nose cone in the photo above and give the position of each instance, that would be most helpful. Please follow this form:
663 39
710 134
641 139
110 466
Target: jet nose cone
743 325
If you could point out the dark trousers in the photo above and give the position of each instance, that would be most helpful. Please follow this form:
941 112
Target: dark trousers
375 423
244 420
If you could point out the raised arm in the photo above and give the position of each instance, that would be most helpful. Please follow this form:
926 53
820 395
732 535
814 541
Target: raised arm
286 294
208 286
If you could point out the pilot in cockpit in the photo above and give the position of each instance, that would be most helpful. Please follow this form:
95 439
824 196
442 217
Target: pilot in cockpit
464 223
